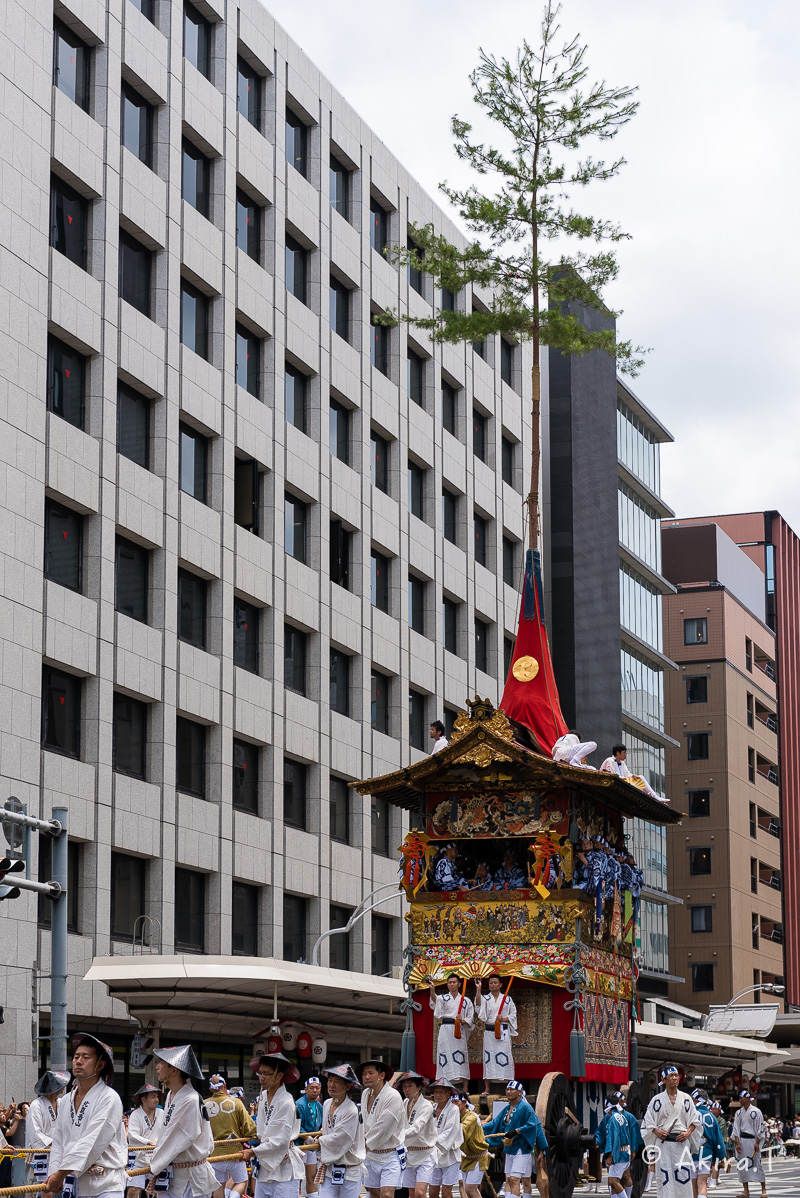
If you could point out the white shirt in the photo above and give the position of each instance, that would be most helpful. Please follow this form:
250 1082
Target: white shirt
447 1006
673 1117
144 1130
185 1135
342 1139
278 1124
612 766
752 1122
440 743
449 1136
488 1008
91 1134
420 1135
384 1120
40 1124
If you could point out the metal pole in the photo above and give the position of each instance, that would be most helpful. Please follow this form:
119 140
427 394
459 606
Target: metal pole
58 948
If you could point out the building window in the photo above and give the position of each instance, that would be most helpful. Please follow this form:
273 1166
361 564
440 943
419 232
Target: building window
381 946
295 793
71 65
245 777
700 803
748 654
479 538
754 875
697 746
697 690
378 226
244 924
294 396
294 659
449 516
700 861
449 408
508 650
135 262
695 632
63 550
416 378
248 360
379 581
508 453
340 309
416 490
339 430
245 493
196 178
509 562
245 635
127 894
482 646
45 905
702 977
192 609
193 454
130 736
416 720
480 438
416 604
380 827
130 580
190 910
296 262
248 94
448 300
133 426
294 527
379 704
507 361
339 945
379 345
248 225
753 820
295 920
339 810
196 39
450 625
137 125
296 142
66 374
701 919
190 757
751 765
61 712
340 682
755 928
415 274
194 320
146 8
339 187
69 220
379 462
340 542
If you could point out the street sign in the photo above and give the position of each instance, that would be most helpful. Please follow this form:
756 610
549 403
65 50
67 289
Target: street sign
14 833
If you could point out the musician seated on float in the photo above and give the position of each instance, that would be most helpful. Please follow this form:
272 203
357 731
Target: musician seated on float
510 875
483 879
446 874
615 764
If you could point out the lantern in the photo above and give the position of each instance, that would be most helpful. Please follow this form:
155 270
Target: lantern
319 1051
274 1044
289 1038
304 1045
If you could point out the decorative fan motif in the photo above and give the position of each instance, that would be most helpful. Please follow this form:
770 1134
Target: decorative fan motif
425 971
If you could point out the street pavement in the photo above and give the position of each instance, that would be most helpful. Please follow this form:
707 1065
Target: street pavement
783 1181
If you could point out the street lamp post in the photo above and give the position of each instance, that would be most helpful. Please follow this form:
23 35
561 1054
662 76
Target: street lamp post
767 987
359 913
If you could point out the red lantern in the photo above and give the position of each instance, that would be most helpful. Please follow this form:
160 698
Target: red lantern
736 1077
304 1043
274 1044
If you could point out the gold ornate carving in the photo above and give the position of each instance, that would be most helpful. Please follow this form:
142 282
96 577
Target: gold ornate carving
488 720
525 669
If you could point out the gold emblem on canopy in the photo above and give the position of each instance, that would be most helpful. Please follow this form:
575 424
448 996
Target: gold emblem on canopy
525 669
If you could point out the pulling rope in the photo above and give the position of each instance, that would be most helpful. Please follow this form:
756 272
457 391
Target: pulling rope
9 1191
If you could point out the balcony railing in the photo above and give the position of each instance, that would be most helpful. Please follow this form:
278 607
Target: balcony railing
768 772
767 668
769 721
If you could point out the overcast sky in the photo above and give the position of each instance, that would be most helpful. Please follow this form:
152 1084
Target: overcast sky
710 195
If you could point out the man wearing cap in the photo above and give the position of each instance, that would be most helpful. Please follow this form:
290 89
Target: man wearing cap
499 1014
41 1120
671 1124
144 1123
457 1016
518 1130
449 1138
309 1108
722 1123
229 1121
475 1155
420 1134
622 1140
279 1163
712 1145
185 1135
383 1112
341 1145
748 1136
89 1150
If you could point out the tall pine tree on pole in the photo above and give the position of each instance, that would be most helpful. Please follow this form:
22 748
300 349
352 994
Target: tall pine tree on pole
546 112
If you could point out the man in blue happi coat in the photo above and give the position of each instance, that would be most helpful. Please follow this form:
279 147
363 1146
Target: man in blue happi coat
518 1130
712 1148
309 1110
600 1134
623 1139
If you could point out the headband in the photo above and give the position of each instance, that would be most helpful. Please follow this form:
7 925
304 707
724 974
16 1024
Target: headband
667 1070
515 1086
313 1081
744 1093
220 1085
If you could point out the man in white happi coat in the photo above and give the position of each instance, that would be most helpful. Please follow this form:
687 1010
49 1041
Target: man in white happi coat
41 1121
279 1161
499 1014
457 1014
616 764
748 1136
185 1134
449 1138
89 1150
384 1115
341 1144
671 1132
144 1123
420 1134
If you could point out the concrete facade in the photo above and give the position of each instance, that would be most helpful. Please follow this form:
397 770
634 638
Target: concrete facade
81 633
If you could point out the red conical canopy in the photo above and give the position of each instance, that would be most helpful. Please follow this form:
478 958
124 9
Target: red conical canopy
531 696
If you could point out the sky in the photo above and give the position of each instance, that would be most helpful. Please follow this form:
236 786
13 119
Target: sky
708 281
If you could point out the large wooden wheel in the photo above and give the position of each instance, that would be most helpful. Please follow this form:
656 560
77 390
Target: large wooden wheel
567 1139
636 1102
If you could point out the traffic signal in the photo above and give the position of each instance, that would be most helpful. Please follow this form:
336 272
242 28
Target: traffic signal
10 865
